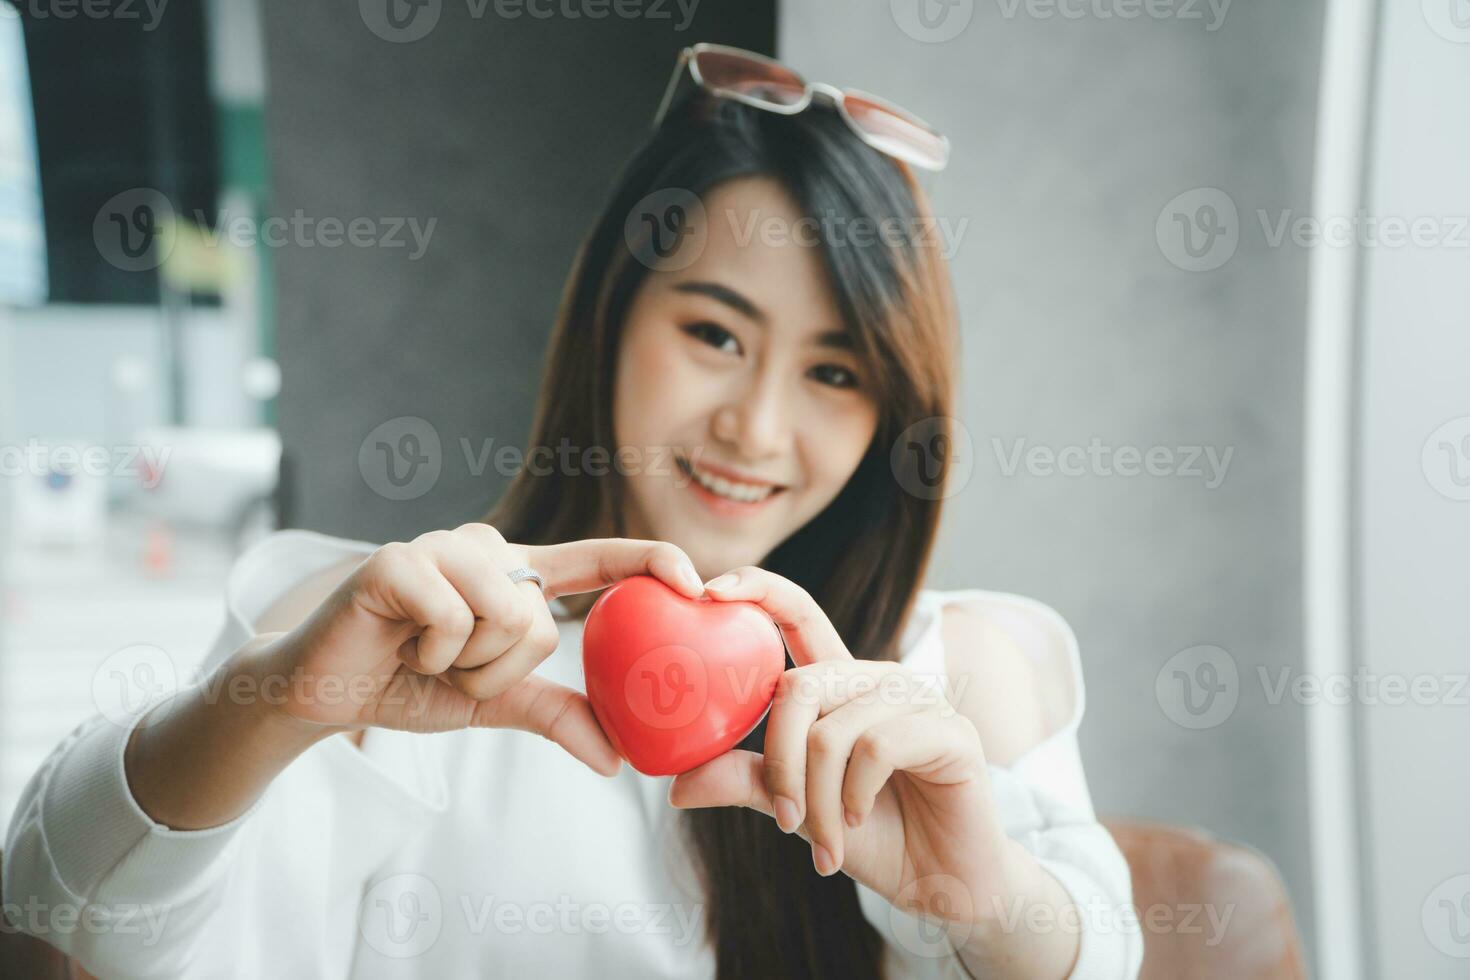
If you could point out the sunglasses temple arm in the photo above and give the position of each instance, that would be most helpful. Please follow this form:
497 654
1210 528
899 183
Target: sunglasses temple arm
663 105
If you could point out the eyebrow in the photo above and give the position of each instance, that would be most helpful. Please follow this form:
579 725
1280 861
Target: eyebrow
840 339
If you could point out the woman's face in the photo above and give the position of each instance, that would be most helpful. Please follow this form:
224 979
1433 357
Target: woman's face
736 386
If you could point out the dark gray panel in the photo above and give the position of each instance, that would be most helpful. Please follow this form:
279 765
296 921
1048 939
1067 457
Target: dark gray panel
507 134
1071 132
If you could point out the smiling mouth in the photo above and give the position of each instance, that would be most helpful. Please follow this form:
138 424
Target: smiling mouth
733 490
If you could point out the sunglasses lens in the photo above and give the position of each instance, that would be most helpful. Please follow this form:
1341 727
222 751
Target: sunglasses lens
896 133
733 74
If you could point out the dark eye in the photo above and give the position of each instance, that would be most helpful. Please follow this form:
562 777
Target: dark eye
714 335
835 375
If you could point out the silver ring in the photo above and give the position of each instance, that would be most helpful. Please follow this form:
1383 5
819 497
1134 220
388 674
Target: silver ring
524 574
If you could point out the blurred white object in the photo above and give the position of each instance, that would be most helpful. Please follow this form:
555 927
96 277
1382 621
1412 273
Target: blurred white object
131 374
60 492
214 477
261 378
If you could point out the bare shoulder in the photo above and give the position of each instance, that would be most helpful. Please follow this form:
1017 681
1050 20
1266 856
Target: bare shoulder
993 682
292 608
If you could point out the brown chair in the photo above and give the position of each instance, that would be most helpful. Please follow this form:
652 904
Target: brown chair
1176 870
23 955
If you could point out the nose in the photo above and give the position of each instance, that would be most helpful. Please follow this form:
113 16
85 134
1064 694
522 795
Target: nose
755 421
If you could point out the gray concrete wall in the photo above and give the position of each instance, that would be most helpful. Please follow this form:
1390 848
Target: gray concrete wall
1071 135
506 133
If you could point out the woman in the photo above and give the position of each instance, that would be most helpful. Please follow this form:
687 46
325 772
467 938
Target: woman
912 805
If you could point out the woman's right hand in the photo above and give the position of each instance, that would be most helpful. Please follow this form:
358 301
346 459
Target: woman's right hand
432 635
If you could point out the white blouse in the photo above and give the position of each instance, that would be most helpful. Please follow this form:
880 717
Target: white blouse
485 853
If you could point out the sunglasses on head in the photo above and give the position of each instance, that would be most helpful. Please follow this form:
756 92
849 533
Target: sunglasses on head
755 80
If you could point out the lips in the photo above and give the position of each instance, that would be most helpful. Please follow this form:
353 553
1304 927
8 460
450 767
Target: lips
727 485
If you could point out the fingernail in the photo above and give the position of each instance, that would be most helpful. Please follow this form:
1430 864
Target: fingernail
787 816
822 860
852 819
691 577
725 581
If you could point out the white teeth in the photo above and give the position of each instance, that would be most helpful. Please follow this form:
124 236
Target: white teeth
744 492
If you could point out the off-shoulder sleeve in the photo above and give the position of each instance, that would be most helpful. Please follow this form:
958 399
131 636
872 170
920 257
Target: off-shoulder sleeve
267 571
1043 799
129 897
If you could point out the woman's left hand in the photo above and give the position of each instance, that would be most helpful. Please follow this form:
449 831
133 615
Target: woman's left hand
870 763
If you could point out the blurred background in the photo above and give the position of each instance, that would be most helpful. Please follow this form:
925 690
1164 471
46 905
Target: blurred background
1212 262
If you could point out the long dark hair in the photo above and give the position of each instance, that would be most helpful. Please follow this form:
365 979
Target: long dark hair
863 558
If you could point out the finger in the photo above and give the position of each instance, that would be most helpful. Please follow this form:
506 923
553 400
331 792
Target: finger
809 634
554 712
474 558
803 695
732 779
595 563
434 605
503 555
918 742
793 710
511 667
829 745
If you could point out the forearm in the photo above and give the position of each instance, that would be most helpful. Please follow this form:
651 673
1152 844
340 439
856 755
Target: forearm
1030 932
113 852
204 756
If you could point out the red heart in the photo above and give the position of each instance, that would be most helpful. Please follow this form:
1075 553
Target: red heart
676 681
